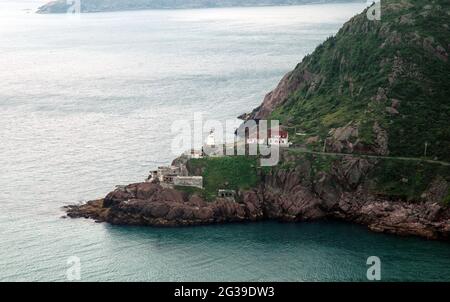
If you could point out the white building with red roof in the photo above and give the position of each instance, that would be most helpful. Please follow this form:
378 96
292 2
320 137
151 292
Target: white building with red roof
273 137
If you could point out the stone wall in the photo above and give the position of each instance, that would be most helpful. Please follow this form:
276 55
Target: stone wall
189 181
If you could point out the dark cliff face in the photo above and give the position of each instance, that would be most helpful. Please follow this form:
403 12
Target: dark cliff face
300 193
387 80
151 204
378 88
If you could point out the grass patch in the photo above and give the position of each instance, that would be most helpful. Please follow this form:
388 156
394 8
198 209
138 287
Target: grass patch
233 172
406 180
447 199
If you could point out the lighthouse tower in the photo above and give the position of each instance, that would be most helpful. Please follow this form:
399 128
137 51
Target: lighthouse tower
211 139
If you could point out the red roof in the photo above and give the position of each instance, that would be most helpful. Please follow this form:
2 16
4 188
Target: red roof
281 134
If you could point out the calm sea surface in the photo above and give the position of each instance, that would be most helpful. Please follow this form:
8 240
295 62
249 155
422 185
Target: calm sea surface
87 102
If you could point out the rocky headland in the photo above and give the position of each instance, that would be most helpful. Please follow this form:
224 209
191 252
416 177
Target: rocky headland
372 105
287 195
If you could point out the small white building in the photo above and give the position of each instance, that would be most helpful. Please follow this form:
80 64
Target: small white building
152 176
280 138
195 154
255 139
211 139
164 173
211 148
189 181
227 194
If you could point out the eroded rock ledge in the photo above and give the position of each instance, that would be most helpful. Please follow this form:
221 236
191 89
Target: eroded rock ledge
283 197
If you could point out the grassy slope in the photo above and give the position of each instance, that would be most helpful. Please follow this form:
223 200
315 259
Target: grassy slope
351 67
235 172
349 70
406 180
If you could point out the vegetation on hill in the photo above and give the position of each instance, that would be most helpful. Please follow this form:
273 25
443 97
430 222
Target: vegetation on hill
407 180
392 74
234 173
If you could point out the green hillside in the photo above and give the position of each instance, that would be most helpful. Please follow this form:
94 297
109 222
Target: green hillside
390 76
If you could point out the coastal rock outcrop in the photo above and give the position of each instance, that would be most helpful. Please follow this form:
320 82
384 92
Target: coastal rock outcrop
425 219
374 99
284 195
151 204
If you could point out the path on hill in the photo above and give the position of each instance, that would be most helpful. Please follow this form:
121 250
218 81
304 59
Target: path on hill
304 150
416 159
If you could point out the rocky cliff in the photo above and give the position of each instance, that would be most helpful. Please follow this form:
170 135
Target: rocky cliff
299 193
372 96
377 87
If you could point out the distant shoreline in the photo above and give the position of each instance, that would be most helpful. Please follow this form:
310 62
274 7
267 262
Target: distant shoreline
59 7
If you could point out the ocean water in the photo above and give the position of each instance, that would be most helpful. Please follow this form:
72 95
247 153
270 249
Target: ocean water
87 102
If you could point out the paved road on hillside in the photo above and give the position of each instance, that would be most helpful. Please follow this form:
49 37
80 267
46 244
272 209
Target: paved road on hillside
416 159
304 150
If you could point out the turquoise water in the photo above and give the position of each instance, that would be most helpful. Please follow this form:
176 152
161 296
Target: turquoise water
269 251
86 103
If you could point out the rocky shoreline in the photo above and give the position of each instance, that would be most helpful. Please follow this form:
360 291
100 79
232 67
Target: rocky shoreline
284 195
338 112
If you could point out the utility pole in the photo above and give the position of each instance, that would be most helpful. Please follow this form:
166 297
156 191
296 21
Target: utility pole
425 151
